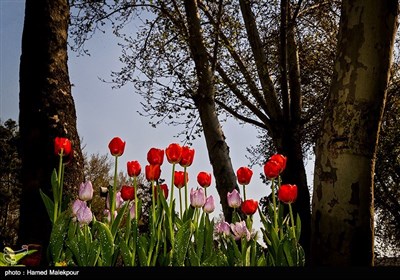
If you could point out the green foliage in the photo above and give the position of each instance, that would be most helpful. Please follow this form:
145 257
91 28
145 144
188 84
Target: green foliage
79 239
283 248
13 258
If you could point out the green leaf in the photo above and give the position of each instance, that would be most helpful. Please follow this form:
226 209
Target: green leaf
143 245
262 216
271 259
164 202
266 239
247 256
54 183
281 217
218 258
83 252
126 254
12 258
199 237
182 242
253 259
274 241
188 213
73 246
106 242
209 239
58 235
288 250
298 227
49 204
301 256
261 261
280 258
193 257
118 220
236 217
235 247
94 253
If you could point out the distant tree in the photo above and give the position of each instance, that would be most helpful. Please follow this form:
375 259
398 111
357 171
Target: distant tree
47 111
387 177
343 213
99 170
10 185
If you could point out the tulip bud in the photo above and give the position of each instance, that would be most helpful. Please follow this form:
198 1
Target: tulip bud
234 199
116 146
209 206
86 191
197 198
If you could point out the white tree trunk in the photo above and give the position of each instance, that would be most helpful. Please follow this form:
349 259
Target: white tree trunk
342 214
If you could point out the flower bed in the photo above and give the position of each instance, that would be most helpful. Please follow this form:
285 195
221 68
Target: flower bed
188 237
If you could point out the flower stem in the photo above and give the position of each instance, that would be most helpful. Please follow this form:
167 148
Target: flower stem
136 201
180 202
172 210
153 206
58 193
112 198
172 186
274 204
292 220
186 192
61 189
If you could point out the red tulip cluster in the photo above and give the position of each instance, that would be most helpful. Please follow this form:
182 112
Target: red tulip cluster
272 169
275 166
181 155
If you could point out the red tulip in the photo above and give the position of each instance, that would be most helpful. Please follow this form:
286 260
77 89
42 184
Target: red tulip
275 166
272 169
287 193
244 175
280 159
153 172
116 146
204 179
179 179
155 156
249 206
164 188
128 192
133 168
68 159
62 145
173 153
187 156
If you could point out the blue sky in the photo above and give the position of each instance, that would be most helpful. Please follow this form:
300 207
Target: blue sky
103 112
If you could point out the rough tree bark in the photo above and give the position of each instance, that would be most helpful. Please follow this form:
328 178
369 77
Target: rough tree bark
47 110
204 98
343 211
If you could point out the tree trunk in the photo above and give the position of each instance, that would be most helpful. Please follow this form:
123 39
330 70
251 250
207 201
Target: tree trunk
343 212
47 110
218 150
